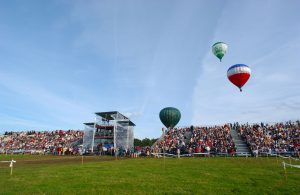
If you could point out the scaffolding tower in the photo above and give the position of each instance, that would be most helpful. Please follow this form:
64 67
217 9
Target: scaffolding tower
111 129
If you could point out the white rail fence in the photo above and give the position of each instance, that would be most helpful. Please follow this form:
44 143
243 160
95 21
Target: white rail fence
11 165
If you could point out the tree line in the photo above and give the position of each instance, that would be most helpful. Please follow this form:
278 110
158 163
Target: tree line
144 142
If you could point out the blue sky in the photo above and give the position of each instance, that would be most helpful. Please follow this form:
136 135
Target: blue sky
61 61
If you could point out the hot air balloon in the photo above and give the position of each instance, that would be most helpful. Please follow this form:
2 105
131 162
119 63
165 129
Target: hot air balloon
239 74
169 116
219 49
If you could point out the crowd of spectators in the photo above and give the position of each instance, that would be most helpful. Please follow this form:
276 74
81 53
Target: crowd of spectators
265 138
57 142
211 140
279 138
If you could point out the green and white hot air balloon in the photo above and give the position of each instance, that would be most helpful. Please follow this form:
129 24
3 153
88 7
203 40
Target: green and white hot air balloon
219 49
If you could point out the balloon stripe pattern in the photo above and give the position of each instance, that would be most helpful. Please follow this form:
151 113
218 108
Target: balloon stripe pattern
239 74
170 116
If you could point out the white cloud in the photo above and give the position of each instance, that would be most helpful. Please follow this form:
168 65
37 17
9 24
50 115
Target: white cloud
133 114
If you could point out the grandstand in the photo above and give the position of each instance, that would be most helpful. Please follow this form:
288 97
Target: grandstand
112 134
58 142
232 139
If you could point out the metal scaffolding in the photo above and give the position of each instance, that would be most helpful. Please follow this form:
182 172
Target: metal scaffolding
110 128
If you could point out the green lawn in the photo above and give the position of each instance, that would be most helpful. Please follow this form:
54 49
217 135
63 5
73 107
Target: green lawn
64 175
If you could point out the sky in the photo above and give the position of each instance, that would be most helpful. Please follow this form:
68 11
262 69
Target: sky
62 61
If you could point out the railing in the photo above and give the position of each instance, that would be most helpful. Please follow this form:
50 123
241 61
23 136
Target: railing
282 154
11 164
181 155
202 154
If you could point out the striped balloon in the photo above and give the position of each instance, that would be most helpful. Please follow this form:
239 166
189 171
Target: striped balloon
170 116
239 74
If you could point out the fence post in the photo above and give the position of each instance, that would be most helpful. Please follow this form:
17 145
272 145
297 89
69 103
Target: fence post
284 170
11 168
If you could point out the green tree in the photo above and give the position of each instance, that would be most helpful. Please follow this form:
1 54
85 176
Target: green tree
144 142
137 142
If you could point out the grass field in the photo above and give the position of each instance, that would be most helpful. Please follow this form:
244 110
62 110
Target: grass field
105 175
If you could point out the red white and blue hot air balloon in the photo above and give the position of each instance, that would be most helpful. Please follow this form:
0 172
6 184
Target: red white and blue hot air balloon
239 74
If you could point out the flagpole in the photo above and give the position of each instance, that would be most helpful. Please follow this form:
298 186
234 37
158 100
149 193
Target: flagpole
11 168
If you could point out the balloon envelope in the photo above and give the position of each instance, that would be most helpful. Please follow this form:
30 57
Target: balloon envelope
239 74
170 116
219 49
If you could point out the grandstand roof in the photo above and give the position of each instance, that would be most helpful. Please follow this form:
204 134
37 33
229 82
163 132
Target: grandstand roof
130 123
89 124
109 115
112 115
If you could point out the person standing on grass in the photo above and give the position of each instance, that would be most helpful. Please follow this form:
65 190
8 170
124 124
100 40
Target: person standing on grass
232 151
208 150
178 152
99 147
58 150
148 152
256 152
